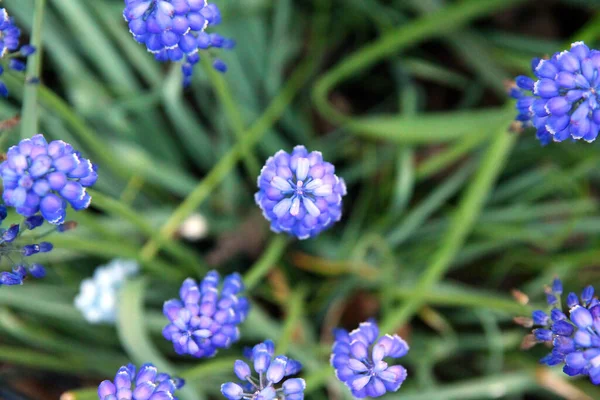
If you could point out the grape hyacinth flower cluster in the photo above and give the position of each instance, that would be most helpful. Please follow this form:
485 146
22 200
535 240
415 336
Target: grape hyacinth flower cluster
358 360
174 30
98 296
9 48
575 338
206 319
42 177
563 100
299 193
147 384
271 371
14 244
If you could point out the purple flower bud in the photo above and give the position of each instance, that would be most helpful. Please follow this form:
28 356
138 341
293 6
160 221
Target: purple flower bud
242 370
37 271
232 391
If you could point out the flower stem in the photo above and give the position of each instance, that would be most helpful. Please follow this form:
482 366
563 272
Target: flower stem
29 120
266 262
463 222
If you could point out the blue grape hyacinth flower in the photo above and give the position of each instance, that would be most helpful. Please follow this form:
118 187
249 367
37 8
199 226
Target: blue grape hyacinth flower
271 371
98 296
147 384
299 193
43 177
10 35
206 319
563 100
358 360
575 338
15 246
174 30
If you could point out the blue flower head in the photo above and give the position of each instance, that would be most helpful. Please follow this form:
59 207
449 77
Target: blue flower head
147 384
206 319
98 296
43 177
16 244
299 193
9 47
563 101
174 30
575 338
271 371
358 359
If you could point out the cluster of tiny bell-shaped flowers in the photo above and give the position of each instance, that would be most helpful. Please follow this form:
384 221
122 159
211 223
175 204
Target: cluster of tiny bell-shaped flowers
575 338
174 30
299 193
98 296
147 384
358 360
10 35
563 101
11 247
271 371
206 318
43 177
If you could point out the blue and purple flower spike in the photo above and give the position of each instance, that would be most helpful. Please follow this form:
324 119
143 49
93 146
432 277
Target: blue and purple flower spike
299 193
271 371
174 30
147 384
563 101
358 359
575 339
9 47
43 177
206 319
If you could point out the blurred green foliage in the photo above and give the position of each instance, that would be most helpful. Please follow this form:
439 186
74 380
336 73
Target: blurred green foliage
447 210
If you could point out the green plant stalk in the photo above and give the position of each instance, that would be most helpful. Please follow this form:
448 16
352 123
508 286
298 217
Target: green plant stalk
267 261
294 309
232 112
435 24
462 224
29 113
174 248
220 171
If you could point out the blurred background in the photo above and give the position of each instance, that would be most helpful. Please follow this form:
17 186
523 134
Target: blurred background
447 210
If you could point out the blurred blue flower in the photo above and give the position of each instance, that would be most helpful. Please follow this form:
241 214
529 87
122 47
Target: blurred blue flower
42 177
148 384
14 247
9 42
299 193
358 359
575 338
174 30
271 371
563 101
206 319
97 298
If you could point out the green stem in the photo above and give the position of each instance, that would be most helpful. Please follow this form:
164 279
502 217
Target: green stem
434 24
118 208
462 224
294 309
266 262
29 121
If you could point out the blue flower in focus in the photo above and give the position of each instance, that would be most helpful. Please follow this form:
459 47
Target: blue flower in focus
271 371
299 193
563 101
206 319
148 384
174 30
42 177
97 298
15 246
575 338
9 42
358 359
